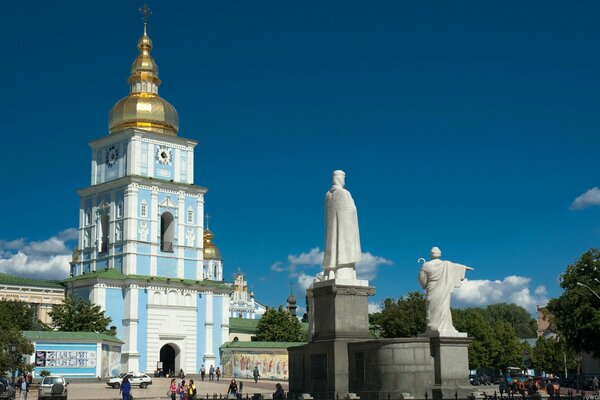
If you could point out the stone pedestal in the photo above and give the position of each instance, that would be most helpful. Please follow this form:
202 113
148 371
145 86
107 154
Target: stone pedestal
340 316
451 366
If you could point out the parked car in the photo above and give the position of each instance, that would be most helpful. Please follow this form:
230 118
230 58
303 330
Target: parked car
7 391
135 378
53 387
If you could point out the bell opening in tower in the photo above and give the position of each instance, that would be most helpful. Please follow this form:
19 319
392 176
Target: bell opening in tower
167 232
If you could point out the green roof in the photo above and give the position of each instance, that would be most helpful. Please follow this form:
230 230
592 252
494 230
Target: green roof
113 274
64 336
243 325
260 345
6 279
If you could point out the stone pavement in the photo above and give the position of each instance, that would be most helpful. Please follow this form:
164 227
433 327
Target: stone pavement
159 387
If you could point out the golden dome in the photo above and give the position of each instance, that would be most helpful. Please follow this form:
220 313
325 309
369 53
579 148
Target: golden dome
211 252
144 108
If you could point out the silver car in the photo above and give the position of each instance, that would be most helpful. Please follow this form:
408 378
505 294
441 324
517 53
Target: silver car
135 378
53 387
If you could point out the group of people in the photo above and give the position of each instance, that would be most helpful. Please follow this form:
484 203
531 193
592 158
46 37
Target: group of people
182 391
189 391
212 373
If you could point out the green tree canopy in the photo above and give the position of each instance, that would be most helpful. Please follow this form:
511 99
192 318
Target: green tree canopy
402 318
576 313
16 316
278 325
78 315
518 317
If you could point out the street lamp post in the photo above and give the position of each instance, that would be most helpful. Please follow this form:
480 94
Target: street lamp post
12 349
589 288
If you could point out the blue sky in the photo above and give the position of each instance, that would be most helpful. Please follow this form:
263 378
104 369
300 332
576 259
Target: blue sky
472 126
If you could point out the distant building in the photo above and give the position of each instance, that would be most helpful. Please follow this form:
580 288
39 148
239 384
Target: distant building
543 323
40 294
242 303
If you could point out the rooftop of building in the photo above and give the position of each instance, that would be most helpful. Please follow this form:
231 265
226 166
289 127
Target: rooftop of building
71 336
113 274
6 279
260 345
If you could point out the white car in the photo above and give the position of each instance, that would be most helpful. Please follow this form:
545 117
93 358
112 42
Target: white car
53 387
135 378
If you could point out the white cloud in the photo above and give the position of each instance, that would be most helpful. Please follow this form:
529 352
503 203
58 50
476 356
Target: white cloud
375 307
588 199
512 289
305 280
46 259
365 269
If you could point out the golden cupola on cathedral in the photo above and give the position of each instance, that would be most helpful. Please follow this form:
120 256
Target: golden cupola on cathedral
211 252
143 108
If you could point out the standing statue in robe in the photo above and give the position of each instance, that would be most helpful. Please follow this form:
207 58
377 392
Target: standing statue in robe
439 278
342 243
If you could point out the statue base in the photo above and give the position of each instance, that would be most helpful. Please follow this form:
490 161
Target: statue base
340 316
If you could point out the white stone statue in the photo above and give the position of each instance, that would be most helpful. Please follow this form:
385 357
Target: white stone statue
439 278
342 243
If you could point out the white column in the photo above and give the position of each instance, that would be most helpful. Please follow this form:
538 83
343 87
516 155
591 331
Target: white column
99 360
151 151
200 236
224 319
177 165
154 235
130 229
94 166
181 221
209 326
130 329
190 170
98 295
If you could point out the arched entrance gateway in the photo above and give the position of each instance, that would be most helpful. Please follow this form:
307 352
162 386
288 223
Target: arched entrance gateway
169 357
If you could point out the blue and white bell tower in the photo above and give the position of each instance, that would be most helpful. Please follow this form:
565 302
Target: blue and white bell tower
140 250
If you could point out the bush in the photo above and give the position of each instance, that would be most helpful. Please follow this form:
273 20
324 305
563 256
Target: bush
44 372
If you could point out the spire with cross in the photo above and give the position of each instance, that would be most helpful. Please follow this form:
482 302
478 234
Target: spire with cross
206 217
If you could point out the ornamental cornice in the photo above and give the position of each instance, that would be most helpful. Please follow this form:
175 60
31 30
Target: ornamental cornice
341 290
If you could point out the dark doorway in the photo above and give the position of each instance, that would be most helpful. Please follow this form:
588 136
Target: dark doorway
167 357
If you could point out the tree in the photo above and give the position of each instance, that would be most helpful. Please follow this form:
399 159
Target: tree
404 318
78 315
576 313
518 317
278 325
16 316
484 348
550 354
17 313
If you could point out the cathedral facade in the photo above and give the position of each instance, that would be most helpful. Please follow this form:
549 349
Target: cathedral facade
141 253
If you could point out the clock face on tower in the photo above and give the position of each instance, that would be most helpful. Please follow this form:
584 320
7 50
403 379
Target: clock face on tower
163 155
111 156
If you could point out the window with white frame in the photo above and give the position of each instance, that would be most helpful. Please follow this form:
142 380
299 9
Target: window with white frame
120 209
190 216
143 209
88 217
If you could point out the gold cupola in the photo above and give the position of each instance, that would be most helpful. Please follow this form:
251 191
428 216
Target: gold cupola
211 252
143 108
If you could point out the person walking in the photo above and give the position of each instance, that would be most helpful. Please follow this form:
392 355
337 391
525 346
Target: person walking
218 373
173 389
182 390
202 372
23 387
502 387
256 374
125 389
211 373
232 391
595 384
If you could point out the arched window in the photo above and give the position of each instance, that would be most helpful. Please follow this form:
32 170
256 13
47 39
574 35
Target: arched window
156 299
172 298
167 232
103 243
120 209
